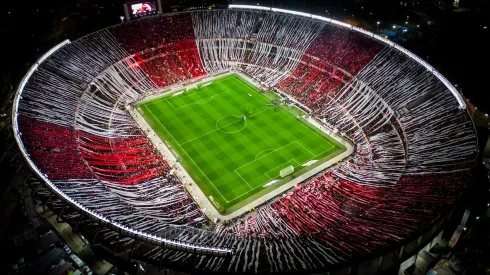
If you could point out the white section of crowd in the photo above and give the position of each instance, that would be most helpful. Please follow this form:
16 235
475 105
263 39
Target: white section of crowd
222 47
88 56
232 25
101 107
438 137
57 102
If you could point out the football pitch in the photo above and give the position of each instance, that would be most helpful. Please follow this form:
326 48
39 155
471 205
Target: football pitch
233 141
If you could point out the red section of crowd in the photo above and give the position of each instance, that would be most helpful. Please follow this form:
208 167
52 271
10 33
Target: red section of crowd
121 160
312 80
348 50
171 63
53 149
361 219
151 32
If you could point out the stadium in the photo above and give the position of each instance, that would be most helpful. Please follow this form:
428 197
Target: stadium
246 140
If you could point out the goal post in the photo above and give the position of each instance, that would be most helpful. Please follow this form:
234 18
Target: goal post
286 171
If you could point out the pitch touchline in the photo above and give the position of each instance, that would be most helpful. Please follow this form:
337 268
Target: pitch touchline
189 157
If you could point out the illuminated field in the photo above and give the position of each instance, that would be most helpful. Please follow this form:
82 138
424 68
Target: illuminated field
232 159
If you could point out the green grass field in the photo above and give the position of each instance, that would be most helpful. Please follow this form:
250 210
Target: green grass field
231 159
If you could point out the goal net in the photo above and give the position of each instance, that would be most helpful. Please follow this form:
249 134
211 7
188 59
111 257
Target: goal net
286 171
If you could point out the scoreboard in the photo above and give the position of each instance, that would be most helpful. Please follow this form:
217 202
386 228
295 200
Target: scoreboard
137 9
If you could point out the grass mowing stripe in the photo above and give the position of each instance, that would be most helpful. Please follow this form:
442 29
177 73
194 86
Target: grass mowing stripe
266 154
304 125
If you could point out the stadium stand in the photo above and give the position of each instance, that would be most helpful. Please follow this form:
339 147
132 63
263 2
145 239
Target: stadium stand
171 63
414 146
267 47
151 32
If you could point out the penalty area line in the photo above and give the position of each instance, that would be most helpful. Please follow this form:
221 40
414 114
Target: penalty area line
244 180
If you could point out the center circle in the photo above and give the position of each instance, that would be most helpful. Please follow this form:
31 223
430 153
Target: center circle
231 124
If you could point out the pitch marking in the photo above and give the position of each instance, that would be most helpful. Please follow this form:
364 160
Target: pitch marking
201 101
266 154
244 180
262 151
210 132
290 115
231 132
306 149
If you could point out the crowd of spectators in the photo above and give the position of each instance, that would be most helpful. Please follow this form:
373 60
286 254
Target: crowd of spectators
313 79
53 149
405 171
151 32
168 64
343 48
